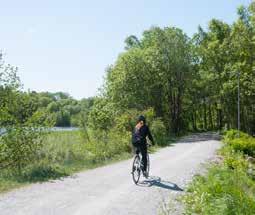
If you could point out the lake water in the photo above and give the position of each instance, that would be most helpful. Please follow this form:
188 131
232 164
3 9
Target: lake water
65 129
3 130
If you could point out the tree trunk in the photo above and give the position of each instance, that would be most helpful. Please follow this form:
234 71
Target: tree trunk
220 119
210 118
205 116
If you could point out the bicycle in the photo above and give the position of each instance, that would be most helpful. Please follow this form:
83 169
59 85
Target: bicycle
137 167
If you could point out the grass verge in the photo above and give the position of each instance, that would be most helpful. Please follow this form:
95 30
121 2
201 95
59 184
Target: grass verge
229 186
67 152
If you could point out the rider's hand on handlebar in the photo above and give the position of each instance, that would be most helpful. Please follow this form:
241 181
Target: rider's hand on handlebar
149 144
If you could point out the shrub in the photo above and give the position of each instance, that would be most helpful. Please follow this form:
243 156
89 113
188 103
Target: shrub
113 144
233 134
244 143
158 130
149 114
234 160
20 146
63 148
42 172
222 191
228 188
101 115
126 121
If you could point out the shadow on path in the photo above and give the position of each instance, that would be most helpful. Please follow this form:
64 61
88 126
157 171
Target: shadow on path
157 182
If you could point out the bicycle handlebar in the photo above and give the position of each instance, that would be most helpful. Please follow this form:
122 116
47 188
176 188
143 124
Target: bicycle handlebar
149 144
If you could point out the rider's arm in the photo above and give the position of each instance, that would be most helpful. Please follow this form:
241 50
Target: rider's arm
150 136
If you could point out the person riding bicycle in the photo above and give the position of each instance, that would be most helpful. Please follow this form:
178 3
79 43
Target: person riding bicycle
139 141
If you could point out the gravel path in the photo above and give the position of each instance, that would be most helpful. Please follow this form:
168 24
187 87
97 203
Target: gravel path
110 189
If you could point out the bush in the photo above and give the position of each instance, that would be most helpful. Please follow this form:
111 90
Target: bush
150 115
108 146
222 191
20 146
126 121
228 188
233 134
101 115
63 148
74 150
42 172
158 130
234 160
244 143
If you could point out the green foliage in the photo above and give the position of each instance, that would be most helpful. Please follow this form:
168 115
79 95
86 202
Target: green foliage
41 172
178 83
191 83
61 148
63 110
68 111
222 191
159 131
19 146
108 146
23 121
23 138
152 73
101 115
227 188
233 134
126 121
9 84
244 144
149 114
53 107
132 42
233 159
63 118
62 153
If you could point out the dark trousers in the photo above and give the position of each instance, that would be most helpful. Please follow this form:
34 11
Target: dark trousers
143 149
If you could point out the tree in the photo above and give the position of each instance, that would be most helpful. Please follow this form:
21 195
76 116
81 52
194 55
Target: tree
153 74
131 42
23 137
9 84
101 115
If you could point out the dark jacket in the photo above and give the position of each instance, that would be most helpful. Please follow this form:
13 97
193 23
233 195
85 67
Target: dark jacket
145 132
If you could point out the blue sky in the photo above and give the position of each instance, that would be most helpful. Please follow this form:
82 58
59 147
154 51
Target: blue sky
65 46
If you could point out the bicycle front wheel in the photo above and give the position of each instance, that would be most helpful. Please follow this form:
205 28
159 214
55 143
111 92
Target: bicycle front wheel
136 169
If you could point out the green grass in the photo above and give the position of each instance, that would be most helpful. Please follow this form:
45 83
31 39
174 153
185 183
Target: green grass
228 187
66 152
221 191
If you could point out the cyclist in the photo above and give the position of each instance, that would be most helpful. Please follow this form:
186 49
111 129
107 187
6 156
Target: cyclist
139 141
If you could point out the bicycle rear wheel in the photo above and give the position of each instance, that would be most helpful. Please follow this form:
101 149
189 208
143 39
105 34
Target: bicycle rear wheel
136 169
148 165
